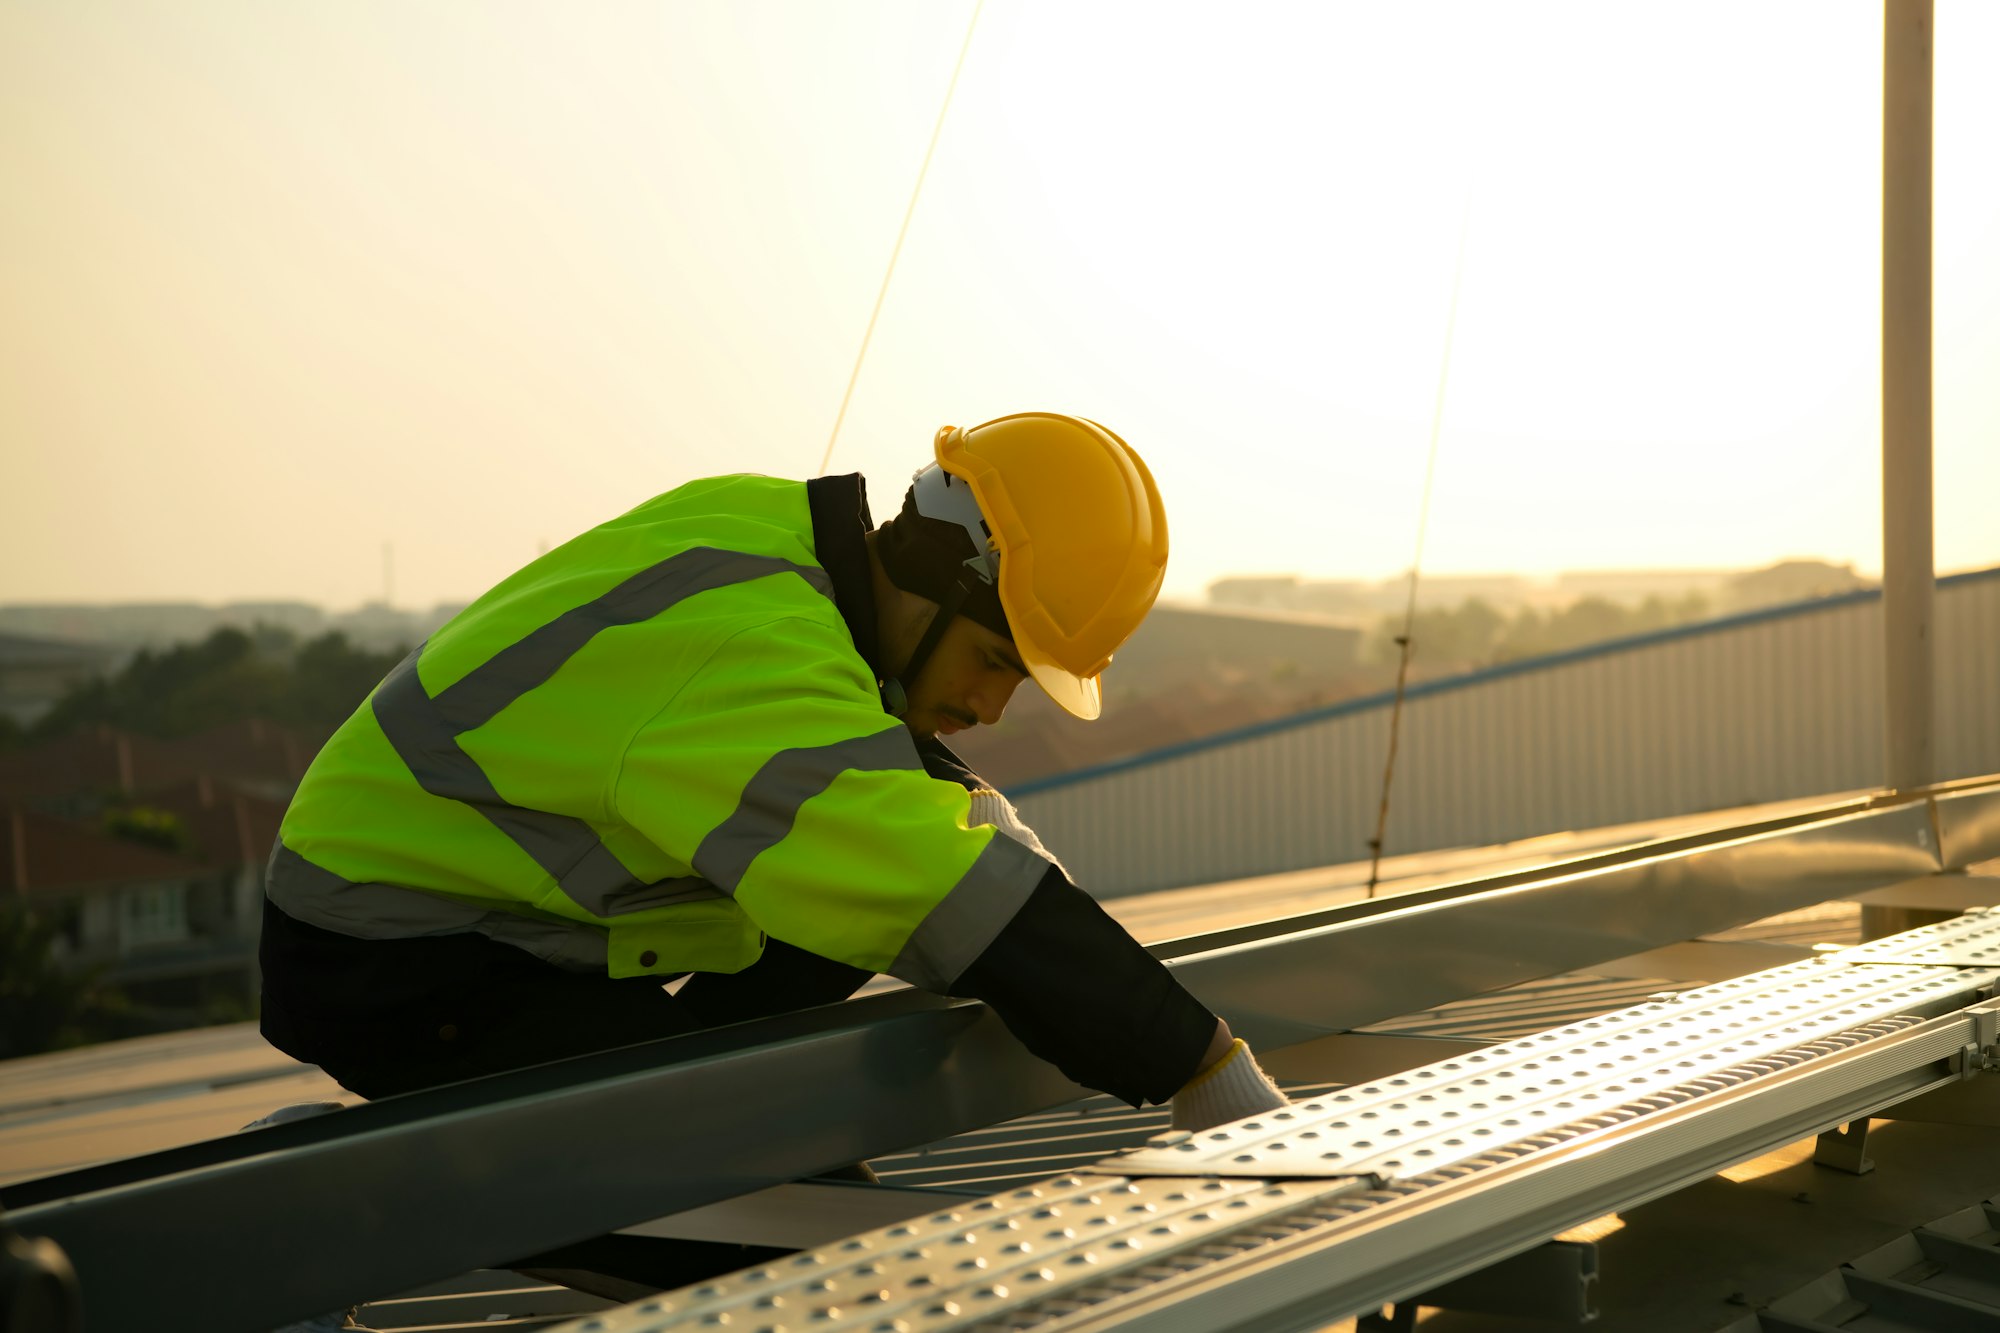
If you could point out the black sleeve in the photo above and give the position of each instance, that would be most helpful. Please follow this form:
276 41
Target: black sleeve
1082 994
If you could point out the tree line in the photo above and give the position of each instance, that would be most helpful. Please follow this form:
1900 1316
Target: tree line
229 676
1473 634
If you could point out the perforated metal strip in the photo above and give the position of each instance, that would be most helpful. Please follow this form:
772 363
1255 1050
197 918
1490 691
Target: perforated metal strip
1427 1118
1084 1245
1318 1221
1972 940
987 1261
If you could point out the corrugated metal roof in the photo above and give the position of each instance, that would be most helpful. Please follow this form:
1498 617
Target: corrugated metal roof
75 1106
1501 671
1658 726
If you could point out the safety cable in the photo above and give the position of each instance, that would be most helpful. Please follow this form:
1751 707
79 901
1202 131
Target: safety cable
869 333
1405 642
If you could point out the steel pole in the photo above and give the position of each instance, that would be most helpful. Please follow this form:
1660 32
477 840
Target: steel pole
1908 577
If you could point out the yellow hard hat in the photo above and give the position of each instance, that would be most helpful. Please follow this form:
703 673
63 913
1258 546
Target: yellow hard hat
1081 536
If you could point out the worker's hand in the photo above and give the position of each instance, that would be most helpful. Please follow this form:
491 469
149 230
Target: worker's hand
990 807
1230 1089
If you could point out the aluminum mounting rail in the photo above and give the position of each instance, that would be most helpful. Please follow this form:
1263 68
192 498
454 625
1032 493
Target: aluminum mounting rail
412 1189
1378 1192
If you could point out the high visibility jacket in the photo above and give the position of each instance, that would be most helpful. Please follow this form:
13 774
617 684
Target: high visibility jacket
641 753
663 741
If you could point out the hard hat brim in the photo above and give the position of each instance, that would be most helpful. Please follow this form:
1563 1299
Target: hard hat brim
1079 696
1075 594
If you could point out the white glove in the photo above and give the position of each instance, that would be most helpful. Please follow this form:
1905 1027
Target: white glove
1232 1088
990 807
284 1115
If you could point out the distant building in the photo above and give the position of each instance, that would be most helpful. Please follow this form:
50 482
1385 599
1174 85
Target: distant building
149 855
130 626
301 618
1789 581
1338 597
1189 671
380 627
1725 590
36 672
76 774
1776 704
1500 591
1181 642
1632 586
79 774
1353 599
173 927
253 755
1289 592
1276 592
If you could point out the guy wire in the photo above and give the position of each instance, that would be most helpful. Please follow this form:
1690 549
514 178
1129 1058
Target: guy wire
869 333
1405 642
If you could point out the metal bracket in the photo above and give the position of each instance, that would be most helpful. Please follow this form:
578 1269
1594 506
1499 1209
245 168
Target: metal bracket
37 1285
1845 1149
1551 1281
1970 1100
1398 1318
1986 1026
1981 1053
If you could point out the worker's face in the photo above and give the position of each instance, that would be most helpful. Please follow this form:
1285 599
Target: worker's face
968 680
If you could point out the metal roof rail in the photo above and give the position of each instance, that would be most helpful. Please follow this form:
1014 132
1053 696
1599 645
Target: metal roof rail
388 1195
1378 1193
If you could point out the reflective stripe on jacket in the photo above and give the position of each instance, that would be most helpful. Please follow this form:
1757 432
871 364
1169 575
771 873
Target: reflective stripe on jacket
642 752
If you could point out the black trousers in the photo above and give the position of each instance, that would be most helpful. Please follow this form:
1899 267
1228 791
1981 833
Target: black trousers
389 1016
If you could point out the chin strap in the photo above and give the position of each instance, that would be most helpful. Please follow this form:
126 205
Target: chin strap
895 694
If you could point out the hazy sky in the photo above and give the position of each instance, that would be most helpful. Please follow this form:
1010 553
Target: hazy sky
282 283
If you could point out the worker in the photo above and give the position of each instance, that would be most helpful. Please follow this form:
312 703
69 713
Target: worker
701 741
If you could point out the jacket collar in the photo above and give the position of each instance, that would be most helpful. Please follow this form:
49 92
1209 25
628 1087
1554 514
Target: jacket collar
841 523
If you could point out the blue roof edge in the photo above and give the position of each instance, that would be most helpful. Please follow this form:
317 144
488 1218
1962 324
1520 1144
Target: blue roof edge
1447 684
